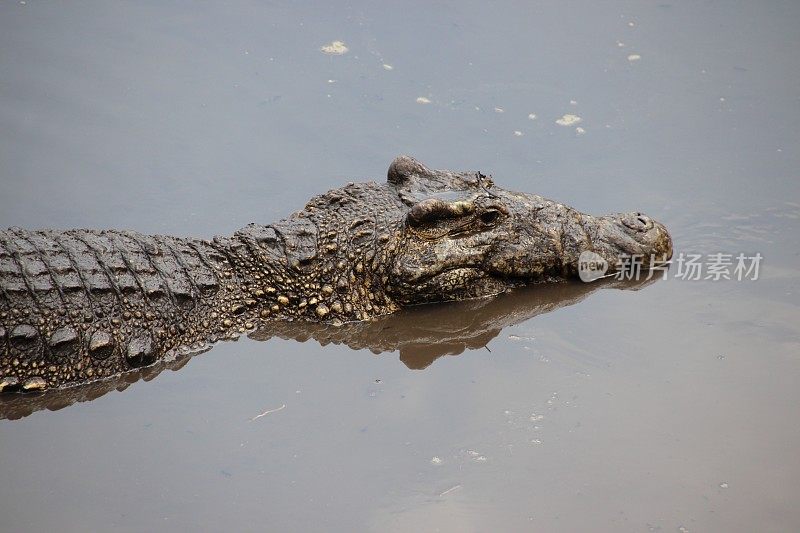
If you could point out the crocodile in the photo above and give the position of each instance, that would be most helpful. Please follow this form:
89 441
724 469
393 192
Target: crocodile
419 335
83 305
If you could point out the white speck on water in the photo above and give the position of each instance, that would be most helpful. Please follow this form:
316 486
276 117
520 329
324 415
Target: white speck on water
536 441
721 98
536 417
436 461
723 485
518 133
634 57
451 489
580 131
331 81
336 48
620 44
532 116
683 529
268 411
499 110
552 399
386 66
573 102
423 100
568 120
481 458
247 52
631 24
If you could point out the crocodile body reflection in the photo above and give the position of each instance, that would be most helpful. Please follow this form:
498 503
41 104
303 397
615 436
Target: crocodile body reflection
420 334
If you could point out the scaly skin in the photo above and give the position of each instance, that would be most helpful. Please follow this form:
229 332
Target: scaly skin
81 305
421 334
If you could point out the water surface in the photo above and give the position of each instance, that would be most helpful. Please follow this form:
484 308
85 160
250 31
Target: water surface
673 406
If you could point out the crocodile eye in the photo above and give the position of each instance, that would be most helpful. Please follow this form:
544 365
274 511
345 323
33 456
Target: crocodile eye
490 217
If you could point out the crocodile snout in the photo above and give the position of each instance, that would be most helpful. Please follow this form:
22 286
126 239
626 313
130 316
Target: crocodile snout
638 221
635 233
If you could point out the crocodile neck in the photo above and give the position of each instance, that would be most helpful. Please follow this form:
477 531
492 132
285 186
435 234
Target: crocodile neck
308 273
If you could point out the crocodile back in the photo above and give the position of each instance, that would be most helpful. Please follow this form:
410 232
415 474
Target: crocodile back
81 304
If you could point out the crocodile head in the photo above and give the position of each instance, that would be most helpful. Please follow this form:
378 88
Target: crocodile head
464 237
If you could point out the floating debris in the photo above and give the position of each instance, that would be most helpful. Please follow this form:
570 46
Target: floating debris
451 489
499 110
620 44
436 461
573 102
265 413
518 133
386 66
568 120
423 100
580 131
336 48
631 24
634 57
723 485
532 116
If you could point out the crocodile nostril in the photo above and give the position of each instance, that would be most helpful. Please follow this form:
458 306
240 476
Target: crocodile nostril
637 222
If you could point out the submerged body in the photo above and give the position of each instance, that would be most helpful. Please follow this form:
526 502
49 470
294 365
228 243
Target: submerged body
418 335
80 305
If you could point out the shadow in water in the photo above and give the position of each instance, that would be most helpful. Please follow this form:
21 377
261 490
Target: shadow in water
420 334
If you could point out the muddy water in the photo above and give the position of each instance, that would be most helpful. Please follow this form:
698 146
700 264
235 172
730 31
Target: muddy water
571 408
